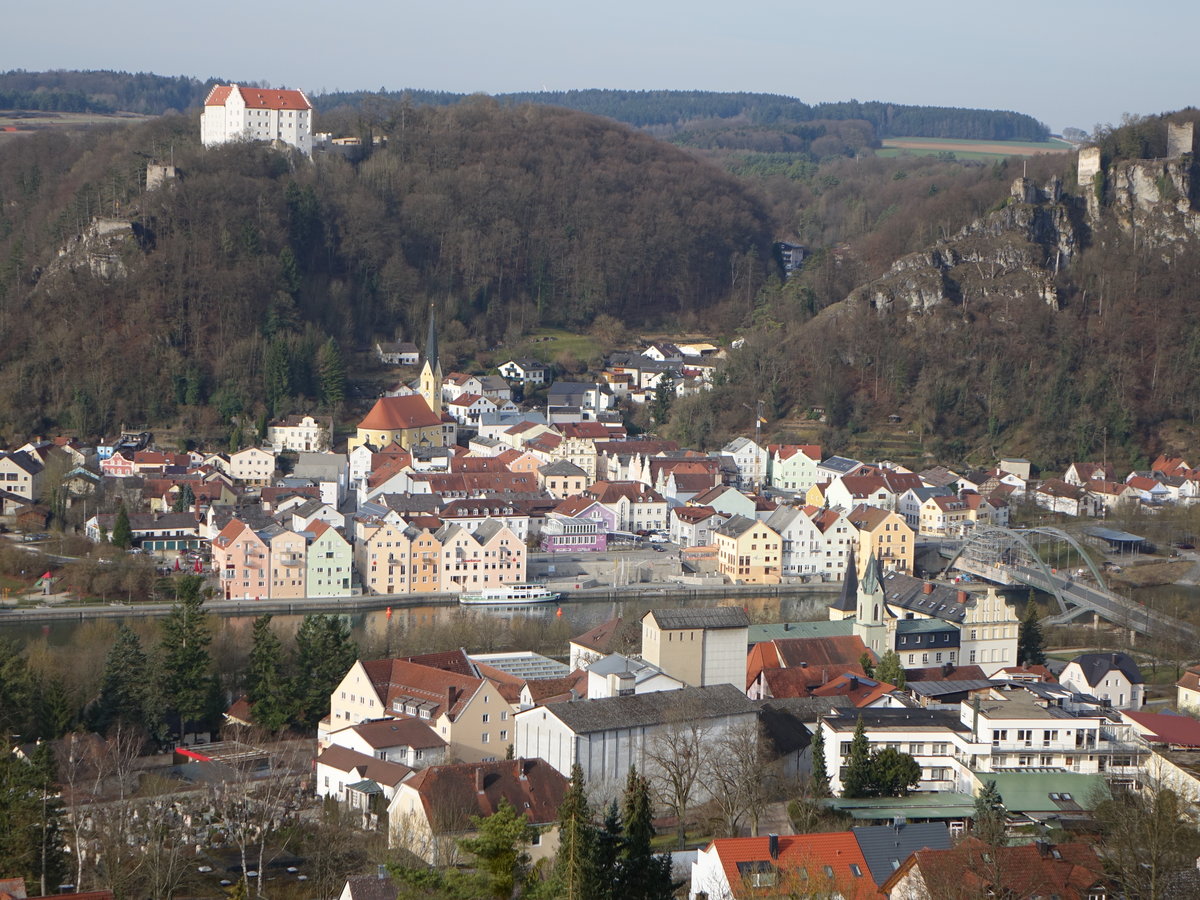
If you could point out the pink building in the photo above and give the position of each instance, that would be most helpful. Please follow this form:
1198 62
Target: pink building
241 560
491 557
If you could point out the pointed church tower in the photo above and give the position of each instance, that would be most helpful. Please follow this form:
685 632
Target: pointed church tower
869 622
431 372
846 605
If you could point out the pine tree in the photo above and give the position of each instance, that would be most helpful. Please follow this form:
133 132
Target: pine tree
267 687
16 693
868 667
820 776
500 848
325 654
857 782
574 863
188 684
122 534
642 875
890 669
607 857
332 369
123 685
989 815
185 499
1030 649
31 836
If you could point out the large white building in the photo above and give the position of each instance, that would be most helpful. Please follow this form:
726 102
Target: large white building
236 113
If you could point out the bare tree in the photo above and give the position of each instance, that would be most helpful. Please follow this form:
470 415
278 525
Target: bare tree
675 757
113 820
734 770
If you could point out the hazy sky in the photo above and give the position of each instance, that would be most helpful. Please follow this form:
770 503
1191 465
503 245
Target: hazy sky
1067 62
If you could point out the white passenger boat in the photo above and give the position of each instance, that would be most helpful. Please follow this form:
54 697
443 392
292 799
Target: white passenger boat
510 595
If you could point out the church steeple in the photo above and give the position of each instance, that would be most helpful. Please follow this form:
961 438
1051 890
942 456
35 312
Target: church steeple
431 371
869 623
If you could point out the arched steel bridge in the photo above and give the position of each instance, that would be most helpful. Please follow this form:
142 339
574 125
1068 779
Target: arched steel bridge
1009 556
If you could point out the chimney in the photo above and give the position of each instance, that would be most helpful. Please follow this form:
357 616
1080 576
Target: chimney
1114 659
927 588
854 682
962 596
946 669
451 696
479 780
773 845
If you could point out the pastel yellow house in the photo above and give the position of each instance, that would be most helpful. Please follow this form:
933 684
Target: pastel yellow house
399 559
407 421
748 552
884 534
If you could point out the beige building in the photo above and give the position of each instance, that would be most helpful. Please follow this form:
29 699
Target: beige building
289 564
748 552
468 713
698 646
885 535
405 421
300 433
398 559
252 466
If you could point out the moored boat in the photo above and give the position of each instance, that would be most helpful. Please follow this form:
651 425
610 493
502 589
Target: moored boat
510 595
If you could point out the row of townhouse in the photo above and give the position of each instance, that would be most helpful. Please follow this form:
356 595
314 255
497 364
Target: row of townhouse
399 558
277 562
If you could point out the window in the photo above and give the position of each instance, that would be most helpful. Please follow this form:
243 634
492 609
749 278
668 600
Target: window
486 718
504 735
856 870
484 739
916 749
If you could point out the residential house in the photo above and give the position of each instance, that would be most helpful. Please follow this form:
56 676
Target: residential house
330 562
727 500
466 711
945 516
1113 678
153 532
563 479
410 742
573 401
562 533
1081 474
1057 496
21 474
836 467
234 112
397 353
1187 691
433 810
362 781
252 466
607 736
850 491
635 507
839 542
801 541
792 467
827 864
699 647
694 526
1146 489
1066 871
241 559
297 433
288 563
596 643
748 552
524 370
490 557
399 559
886 536
616 675
750 460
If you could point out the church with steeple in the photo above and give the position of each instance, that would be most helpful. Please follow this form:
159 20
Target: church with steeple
413 419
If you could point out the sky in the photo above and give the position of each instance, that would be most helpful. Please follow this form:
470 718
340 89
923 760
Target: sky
1066 62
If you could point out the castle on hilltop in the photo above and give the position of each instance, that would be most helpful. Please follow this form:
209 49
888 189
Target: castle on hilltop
236 113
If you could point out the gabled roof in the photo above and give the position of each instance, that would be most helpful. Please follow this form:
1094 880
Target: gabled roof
1165 728
258 98
456 792
844 650
1094 666
370 887
385 733
861 690
432 689
885 847
828 860
379 770
602 637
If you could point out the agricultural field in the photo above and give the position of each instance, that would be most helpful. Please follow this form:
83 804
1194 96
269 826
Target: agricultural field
963 149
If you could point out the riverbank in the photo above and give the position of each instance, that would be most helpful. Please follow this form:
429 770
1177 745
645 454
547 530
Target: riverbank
375 602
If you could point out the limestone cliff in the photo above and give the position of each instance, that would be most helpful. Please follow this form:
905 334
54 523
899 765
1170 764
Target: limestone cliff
1012 252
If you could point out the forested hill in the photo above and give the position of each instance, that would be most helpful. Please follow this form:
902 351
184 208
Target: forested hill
237 274
679 108
142 92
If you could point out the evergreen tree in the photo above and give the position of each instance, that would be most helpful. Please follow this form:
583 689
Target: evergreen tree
890 669
642 875
607 858
820 776
267 687
16 693
325 654
332 370
185 499
857 782
664 396
122 534
123 684
893 773
31 834
989 815
1030 649
574 863
868 667
189 688
278 374
500 848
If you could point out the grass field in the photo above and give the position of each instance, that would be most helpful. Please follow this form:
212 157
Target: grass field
14 123
962 149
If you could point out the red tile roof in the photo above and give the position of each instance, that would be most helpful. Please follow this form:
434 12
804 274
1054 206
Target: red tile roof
386 733
258 98
399 679
602 637
378 770
862 691
840 650
825 858
1178 731
395 413
530 785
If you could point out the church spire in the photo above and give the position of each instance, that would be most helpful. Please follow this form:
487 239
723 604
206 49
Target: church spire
431 343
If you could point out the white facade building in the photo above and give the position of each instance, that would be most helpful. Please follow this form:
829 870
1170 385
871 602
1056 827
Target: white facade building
236 113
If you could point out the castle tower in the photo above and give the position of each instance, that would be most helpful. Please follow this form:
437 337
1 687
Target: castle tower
431 371
869 622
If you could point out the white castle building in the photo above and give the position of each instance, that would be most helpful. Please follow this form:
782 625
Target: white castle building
236 113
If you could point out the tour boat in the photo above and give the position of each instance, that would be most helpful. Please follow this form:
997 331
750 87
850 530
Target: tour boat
510 595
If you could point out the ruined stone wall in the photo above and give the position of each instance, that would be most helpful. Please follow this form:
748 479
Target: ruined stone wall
1181 139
